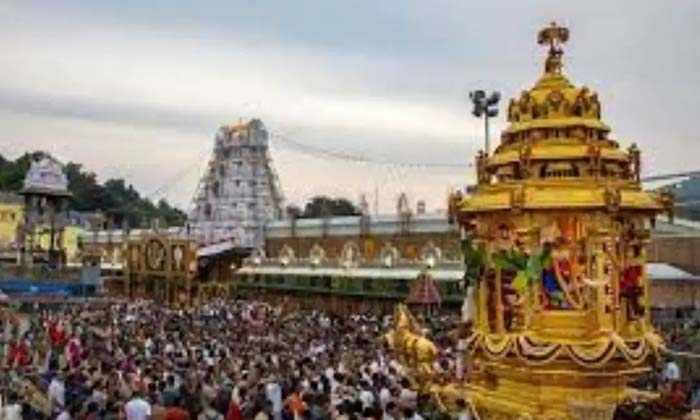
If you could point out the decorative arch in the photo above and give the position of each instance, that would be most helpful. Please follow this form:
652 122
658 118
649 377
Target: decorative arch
316 255
117 255
286 255
257 255
350 254
430 254
389 255
155 254
178 257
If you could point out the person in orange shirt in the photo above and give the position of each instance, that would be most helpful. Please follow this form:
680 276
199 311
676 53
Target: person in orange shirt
295 403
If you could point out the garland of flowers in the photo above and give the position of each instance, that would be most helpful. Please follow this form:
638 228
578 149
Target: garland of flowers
544 355
498 346
588 356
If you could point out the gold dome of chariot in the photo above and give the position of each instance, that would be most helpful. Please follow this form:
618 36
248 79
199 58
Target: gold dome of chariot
556 139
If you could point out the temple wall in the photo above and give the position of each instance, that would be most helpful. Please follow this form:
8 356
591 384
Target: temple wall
409 246
674 293
680 251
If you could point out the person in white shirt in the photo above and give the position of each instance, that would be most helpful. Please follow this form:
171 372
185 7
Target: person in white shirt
366 395
148 346
409 414
13 409
391 411
461 360
57 393
464 412
407 397
137 408
671 372
68 413
384 397
273 392
210 413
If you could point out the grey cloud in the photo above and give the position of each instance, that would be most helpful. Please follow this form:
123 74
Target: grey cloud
104 110
640 55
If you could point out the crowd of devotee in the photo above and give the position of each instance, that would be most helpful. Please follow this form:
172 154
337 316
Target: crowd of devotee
224 360
678 377
236 360
683 335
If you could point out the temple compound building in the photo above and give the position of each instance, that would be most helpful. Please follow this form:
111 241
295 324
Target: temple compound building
240 192
357 263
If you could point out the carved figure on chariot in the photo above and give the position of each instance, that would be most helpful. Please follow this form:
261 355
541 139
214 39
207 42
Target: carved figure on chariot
556 314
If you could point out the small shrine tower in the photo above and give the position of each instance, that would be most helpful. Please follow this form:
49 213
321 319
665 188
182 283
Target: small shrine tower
46 196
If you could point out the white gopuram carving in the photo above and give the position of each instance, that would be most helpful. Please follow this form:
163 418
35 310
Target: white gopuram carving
239 193
46 176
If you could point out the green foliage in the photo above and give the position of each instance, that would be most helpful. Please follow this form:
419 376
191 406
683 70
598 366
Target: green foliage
473 260
509 259
527 268
12 172
293 211
121 202
687 193
322 206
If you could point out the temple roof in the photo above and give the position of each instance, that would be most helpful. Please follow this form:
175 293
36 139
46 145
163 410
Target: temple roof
242 127
556 151
423 291
554 102
46 177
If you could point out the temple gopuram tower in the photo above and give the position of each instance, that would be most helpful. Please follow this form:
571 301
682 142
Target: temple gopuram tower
240 191
557 235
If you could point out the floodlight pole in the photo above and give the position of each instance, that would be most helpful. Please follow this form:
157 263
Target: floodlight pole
487 138
486 106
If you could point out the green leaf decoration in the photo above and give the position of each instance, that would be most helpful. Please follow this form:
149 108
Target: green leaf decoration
474 259
547 261
519 260
534 267
520 282
500 259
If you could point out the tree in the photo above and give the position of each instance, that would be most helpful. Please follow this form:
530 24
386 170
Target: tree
322 206
119 201
83 186
293 210
687 196
12 173
173 216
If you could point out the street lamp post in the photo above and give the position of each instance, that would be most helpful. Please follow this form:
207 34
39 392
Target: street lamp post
485 106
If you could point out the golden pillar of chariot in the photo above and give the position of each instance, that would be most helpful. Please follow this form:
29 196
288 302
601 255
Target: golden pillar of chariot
556 234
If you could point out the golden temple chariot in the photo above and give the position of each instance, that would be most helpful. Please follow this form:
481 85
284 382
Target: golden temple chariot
557 308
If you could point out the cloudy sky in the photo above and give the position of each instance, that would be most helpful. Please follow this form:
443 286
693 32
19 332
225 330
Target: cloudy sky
137 88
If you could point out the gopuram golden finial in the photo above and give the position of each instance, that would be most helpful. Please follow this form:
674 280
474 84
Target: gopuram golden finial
555 36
